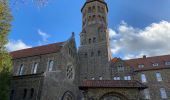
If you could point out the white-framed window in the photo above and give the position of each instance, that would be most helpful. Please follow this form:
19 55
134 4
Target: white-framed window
167 63
163 93
143 78
116 78
140 65
146 94
155 64
158 76
34 68
21 68
50 65
127 77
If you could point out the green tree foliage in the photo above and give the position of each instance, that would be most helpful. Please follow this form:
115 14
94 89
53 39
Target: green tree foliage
5 59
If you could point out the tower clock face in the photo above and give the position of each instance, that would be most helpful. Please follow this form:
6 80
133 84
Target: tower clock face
70 72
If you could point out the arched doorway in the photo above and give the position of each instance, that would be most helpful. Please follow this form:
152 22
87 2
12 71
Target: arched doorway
113 96
68 96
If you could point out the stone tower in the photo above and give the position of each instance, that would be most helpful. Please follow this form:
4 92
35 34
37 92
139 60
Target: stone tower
94 50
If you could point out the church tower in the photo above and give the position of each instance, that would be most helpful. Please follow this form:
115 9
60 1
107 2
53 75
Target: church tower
94 50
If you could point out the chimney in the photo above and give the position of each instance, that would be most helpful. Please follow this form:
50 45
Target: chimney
144 56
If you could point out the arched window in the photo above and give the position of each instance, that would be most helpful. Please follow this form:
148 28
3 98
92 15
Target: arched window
89 18
85 55
94 9
94 17
12 95
99 53
99 8
89 9
94 40
103 19
89 41
68 96
92 54
21 68
25 93
31 93
50 65
34 68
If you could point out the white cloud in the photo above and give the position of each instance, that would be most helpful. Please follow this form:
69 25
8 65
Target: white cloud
44 36
132 42
16 45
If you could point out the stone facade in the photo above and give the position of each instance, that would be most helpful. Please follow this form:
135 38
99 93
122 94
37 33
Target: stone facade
61 72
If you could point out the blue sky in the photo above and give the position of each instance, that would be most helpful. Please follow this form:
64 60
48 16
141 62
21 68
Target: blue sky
55 22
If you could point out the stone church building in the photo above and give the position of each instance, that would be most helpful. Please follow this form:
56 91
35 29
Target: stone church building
60 71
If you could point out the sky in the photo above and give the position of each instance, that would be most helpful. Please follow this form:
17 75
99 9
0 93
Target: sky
136 27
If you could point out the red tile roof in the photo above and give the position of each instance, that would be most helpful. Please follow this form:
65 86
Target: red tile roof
148 61
40 50
112 84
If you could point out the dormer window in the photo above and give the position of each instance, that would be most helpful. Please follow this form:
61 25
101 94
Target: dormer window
167 63
92 78
50 65
155 64
21 68
34 68
100 78
140 65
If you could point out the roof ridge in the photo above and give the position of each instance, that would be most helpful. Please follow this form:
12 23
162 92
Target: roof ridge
38 46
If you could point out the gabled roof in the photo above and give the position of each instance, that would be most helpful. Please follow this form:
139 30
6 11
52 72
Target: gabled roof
112 84
148 61
40 50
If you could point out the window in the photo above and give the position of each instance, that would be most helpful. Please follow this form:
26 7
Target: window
92 78
89 41
70 72
92 54
146 94
34 68
21 68
12 95
85 55
143 78
100 78
94 40
99 53
163 93
116 78
94 9
140 65
50 65
31 93
158 76
167 63
120 68
155 64
89 9
127 78
25 93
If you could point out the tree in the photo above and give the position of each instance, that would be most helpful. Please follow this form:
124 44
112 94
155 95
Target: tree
5 59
